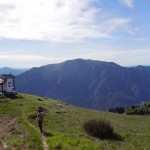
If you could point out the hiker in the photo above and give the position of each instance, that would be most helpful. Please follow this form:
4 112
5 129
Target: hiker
40 118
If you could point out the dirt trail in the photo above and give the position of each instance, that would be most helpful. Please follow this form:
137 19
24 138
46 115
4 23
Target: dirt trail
45 146
6 123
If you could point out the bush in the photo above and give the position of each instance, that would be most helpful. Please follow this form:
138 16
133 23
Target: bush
100 128
143 109
119 110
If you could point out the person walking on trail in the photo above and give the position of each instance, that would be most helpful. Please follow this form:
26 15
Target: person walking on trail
40 119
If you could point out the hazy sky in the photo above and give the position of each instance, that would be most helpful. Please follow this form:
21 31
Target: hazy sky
40 32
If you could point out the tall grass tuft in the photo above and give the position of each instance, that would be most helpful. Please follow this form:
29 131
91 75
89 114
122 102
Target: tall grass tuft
98 127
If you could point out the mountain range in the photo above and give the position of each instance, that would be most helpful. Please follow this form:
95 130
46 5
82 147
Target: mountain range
88 83
7 70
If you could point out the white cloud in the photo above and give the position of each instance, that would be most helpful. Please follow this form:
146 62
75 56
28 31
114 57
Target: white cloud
128 3
56 20
22 57
27 61
105 55
124 57
116 24
134 57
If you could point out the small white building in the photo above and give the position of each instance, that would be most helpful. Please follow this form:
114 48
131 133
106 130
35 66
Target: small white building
7 83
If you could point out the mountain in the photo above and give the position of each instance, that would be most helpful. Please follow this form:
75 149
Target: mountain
88 83
7 70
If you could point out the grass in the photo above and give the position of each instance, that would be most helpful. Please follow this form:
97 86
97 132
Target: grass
65 122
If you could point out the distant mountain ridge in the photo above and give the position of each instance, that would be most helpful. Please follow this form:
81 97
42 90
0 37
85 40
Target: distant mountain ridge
7 70
88 83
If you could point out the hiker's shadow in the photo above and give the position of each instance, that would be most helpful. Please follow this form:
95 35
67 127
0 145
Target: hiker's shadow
47 134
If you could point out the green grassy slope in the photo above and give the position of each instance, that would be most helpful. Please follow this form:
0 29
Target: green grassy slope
65 122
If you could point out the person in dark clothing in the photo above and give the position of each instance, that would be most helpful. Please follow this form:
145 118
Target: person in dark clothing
40 118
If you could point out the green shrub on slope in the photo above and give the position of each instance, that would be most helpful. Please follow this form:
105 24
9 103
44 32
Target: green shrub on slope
100 128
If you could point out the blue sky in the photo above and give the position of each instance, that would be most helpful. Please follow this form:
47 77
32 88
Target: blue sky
39 32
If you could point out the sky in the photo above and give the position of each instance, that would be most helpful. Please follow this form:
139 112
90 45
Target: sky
34 33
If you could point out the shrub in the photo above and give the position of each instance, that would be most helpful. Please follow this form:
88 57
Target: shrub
98 127
119 110
33 116
143 109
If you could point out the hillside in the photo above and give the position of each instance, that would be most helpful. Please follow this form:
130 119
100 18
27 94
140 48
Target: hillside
88 83
65 124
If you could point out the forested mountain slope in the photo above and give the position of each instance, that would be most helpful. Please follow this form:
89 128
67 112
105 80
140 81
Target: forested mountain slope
88 83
